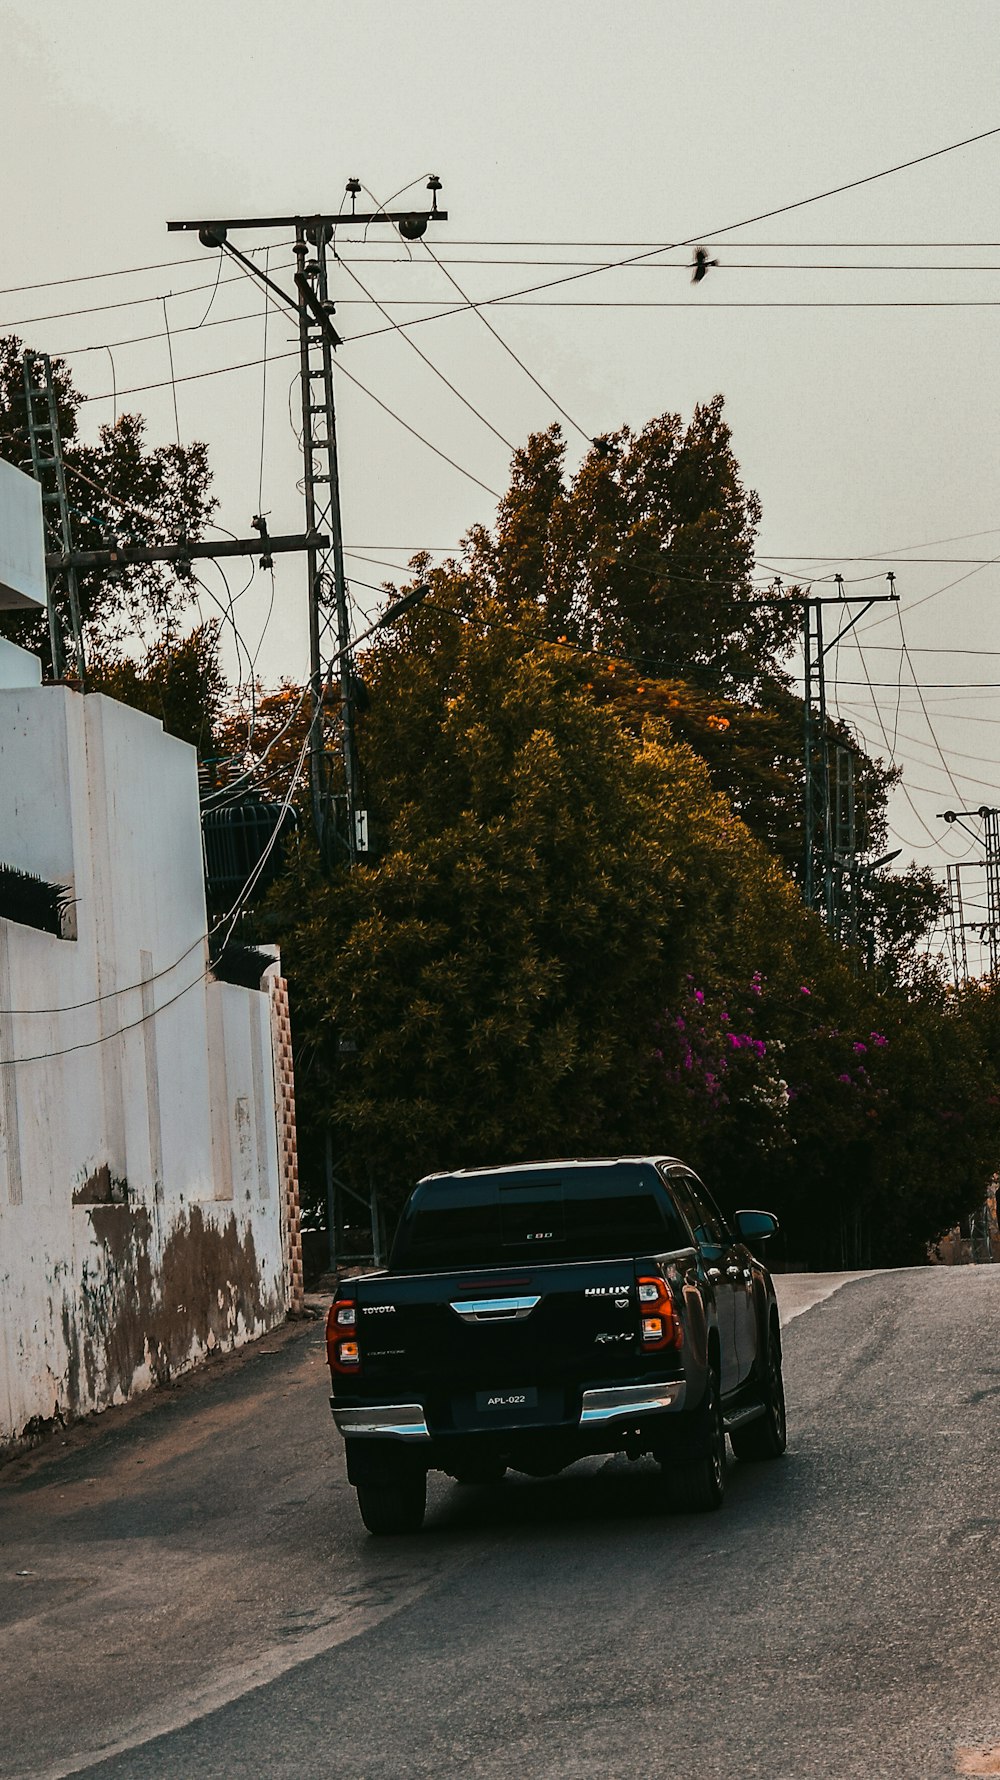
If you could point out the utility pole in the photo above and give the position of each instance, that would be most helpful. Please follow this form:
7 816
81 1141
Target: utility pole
47 467
329 619
989 835
828 812
957 925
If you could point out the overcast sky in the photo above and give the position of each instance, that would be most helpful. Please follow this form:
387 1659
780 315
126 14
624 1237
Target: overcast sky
580 132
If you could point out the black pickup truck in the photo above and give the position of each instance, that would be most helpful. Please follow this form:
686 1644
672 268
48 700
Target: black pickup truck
531 1315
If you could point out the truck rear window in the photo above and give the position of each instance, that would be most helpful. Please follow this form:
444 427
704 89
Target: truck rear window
502 1219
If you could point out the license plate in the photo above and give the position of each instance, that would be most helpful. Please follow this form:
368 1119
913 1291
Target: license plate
500 1400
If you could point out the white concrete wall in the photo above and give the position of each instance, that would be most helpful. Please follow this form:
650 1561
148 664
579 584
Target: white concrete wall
139 1206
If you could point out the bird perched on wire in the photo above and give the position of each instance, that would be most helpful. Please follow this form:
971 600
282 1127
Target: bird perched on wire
701 263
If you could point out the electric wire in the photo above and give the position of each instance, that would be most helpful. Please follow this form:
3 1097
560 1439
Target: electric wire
497 434
351 378
198 259
933 839
186 290
549 397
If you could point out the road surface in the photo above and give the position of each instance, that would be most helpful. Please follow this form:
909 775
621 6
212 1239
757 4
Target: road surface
186 1589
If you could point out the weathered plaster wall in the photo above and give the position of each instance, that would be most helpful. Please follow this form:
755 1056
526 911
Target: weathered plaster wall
140 1212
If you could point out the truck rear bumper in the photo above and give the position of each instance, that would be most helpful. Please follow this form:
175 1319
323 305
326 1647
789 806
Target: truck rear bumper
613 1402
608 1403
400 1421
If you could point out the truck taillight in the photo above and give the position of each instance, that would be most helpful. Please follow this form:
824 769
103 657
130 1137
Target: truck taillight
342 1351
660 1324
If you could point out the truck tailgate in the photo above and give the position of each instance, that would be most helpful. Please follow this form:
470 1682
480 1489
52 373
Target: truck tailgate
516 1345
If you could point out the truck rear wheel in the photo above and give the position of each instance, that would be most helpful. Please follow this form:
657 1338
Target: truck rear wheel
394 1507
698 1485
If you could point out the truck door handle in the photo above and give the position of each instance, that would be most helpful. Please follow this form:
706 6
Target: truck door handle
495 1310
713 1273
734 1272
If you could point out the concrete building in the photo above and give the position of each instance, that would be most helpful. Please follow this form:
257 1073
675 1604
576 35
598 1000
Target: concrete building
148 1190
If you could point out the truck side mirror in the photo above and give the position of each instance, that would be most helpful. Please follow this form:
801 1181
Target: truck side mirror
755 1226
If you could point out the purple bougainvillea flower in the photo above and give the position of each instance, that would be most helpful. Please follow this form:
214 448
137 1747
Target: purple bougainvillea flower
859 1048
699 996
680 1023
759 1048
844 1078
878 1038
804 991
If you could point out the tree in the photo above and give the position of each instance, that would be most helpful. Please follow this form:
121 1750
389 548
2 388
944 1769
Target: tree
647 552
120 490
182 683
491 986
581 932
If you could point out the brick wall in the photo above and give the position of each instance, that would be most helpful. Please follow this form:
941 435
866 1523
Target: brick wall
288 1161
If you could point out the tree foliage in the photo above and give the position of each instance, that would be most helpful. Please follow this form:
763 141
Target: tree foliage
120 490
182 683
647 552
571 944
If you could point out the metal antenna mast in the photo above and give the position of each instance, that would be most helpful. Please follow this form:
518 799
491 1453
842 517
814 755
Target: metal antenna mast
331 721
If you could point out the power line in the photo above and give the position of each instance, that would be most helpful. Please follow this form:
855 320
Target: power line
412 429
429 362
549 397
187 290
765 215
12 290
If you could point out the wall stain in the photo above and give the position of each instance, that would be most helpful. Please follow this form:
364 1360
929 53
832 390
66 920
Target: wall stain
136 1309
101 1188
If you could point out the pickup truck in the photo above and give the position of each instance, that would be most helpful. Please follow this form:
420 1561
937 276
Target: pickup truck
534 1314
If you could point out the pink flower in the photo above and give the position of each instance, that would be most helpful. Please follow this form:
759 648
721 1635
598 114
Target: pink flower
844 1078
699 996
804 991
878 1039
859 1048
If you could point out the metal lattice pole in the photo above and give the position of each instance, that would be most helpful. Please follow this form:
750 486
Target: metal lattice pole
45 443
991 839
329 623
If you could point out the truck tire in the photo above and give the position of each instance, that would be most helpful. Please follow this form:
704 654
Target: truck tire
698 1485
765 1438
393 1507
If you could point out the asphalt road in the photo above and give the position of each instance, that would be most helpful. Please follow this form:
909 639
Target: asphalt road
186 1590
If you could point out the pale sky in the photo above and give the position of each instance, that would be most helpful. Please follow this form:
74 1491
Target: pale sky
580 132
